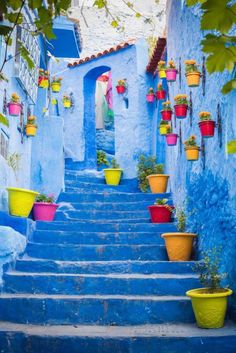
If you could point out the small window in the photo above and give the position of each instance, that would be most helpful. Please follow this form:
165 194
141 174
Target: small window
4 144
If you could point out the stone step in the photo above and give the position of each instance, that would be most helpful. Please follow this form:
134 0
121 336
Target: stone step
76 185
97 226
169 338
103 267
70 252
110 197
106 284
97 238
104 206
94 309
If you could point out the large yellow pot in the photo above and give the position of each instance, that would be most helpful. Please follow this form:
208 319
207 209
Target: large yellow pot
193 79
30 130
209 308
113 176
20 201
158 183
56 86
192 153
162 73
179 245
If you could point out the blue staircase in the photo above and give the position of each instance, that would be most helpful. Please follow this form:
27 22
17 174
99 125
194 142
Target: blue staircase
97 280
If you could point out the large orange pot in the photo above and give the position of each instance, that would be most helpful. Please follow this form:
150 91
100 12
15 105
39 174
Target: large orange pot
158 183
193 79
192 153
179 245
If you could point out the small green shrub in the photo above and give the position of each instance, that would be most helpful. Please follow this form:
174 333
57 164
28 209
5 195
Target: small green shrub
147 166
102 158
114 164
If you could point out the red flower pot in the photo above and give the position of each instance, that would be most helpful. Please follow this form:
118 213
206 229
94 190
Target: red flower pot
160 213
166 115
161 95
207 128
181 111
120 89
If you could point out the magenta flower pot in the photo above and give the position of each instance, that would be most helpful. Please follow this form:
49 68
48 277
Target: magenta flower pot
44 211
171 139
171 75
150 98
14 109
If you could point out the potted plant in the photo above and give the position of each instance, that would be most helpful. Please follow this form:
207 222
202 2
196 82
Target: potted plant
43 81
31 126
166 111
150 173
181 106
210 302
113 174
44 208
191 148
150 96
192 73
179 244
171 71
102 160
161 93
56 84
171 138
206 124
66 101
121 86
14 106
161 67
163 127
161 212
20 201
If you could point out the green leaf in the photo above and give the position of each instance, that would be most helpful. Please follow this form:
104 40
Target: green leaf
229 86
14 17
218 14
194 2
231 147
100 4
5 30
8 41
138 15
4 120
115 24
15 4
26 55
34 4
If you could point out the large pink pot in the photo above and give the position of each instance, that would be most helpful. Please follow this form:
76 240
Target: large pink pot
171 139
171 75
14 109
44 211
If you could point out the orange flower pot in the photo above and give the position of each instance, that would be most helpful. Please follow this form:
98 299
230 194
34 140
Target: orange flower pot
193 79
192 153
158 183
30 130
179 245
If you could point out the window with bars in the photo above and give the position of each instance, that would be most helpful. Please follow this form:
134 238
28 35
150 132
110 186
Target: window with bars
26 77
4 144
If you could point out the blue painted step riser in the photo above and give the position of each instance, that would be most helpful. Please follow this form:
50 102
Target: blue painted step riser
97 253
63 217
20 342
105 267
106 227
109 206
98 187
73 176
107 215
97 238
96 311
79 285
110 197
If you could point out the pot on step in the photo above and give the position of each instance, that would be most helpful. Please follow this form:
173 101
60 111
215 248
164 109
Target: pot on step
113 175
179 245
158 183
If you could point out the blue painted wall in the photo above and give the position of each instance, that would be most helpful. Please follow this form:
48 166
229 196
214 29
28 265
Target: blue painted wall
135 125
210 194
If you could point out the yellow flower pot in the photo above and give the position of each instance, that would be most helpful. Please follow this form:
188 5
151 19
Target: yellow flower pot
20 201
209 308
112 176
30 130
158 183
193 79
179 245
192 153
67 104
163 130
56 86
162 73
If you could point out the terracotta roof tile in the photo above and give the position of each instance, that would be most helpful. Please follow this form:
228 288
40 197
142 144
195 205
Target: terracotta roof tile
98 55
156 55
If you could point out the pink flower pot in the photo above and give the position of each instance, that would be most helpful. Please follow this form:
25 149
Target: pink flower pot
171 139
44 211
14 109
171 75
150 98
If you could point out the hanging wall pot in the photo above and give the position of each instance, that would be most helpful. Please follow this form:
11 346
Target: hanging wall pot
206 124
191 148
150 96
161 93
192 73
181 106
161 68
166 111
121 86
14 106
171 71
